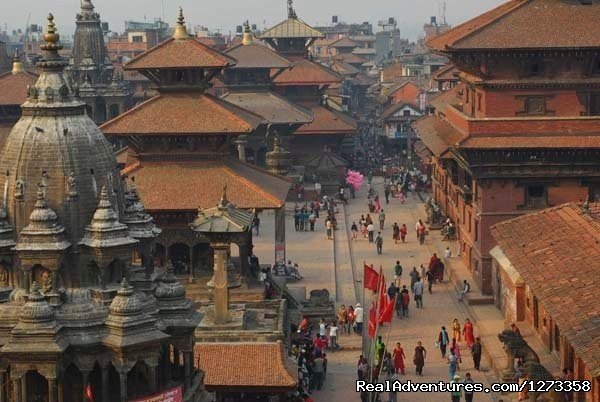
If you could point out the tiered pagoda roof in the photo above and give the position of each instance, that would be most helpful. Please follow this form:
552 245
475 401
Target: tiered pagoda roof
271 107
559 24
166 185
257 55
327 121
292 27
307 72
172 113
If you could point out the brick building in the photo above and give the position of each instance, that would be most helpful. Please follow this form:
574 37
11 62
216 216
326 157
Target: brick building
547 270
521 130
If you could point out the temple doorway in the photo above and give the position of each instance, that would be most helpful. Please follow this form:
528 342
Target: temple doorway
179 255
138 381
115 272
36 387
114 384
160 254
73 385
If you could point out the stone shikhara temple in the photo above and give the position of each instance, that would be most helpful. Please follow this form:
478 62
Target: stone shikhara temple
82 309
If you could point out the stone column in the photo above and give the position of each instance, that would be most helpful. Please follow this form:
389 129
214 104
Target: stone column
17 390
241 147
123 383
220 282
24 388
2 386
152 375
191 273
85 376
187 368
280 234
52 390
167 363
176 363
105 384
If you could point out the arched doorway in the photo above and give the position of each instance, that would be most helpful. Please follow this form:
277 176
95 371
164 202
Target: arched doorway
203 259
73 384
95 381
36 386
115 272
138 378
179 254
160 254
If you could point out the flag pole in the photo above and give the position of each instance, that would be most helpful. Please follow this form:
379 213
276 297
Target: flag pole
380 288
387 340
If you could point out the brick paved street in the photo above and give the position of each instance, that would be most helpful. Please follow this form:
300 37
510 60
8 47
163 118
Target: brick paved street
315 254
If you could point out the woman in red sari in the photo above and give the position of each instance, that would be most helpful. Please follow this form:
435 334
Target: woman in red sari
399 359
468 333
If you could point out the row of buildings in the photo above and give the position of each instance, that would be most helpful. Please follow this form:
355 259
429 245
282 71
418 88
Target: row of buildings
512 139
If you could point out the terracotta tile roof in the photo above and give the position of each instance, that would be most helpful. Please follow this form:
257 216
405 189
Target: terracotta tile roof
179 53
13 87
526 24
327 121
446 73
445 98
350 58
182 113
187 186
515 140
343 68
245 365
292 28
256 55
362 80
557 252
122 155
271 107
306 72
438 135
344 42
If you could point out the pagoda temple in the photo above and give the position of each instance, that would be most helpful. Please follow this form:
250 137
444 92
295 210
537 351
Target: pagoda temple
521 129
181 144
249 86
100 86
305 83
83 313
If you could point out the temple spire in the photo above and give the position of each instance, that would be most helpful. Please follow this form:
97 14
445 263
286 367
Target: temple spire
17 66
247 38
180 29
291 11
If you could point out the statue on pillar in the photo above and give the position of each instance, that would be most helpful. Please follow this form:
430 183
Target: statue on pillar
71 186
47 282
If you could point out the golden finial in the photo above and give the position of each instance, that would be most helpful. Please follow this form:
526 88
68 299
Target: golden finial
17 66
247 37
180 29
51 36
224 201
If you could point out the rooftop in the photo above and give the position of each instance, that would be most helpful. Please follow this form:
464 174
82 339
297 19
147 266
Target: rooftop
526 24
13 87
293 27
161 185
327 121
272 108
255 55
556 252
306 72
265 365
183 113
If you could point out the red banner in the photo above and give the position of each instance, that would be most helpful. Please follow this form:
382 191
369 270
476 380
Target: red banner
171 395
372 323
371 279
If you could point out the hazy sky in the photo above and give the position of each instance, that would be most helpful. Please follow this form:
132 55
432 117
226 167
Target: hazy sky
226 14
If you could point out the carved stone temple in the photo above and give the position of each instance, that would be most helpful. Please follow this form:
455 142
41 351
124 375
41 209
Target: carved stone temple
82 309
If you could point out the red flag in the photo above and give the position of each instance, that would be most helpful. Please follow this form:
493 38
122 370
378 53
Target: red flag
388 312
371 278
372 321
88 393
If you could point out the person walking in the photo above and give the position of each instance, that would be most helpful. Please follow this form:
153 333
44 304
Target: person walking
393 394
297 219
379 243
418 293
370 232
456 329
395 233
350 320
397 273
399 357
419 358
386 193
318 370
420 227
455 394
405 301
430 279
468 394
354 230
414 277
443 341
476 351
447 254
452 364
329 228
455 347
468 333
312 219
381 219
256 224
333 331
358 318
403 233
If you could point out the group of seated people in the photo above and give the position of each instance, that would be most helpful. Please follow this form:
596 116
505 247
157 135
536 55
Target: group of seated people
288 270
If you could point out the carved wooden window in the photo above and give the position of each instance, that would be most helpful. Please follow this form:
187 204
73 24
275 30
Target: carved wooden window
479 102
594 104
535 105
